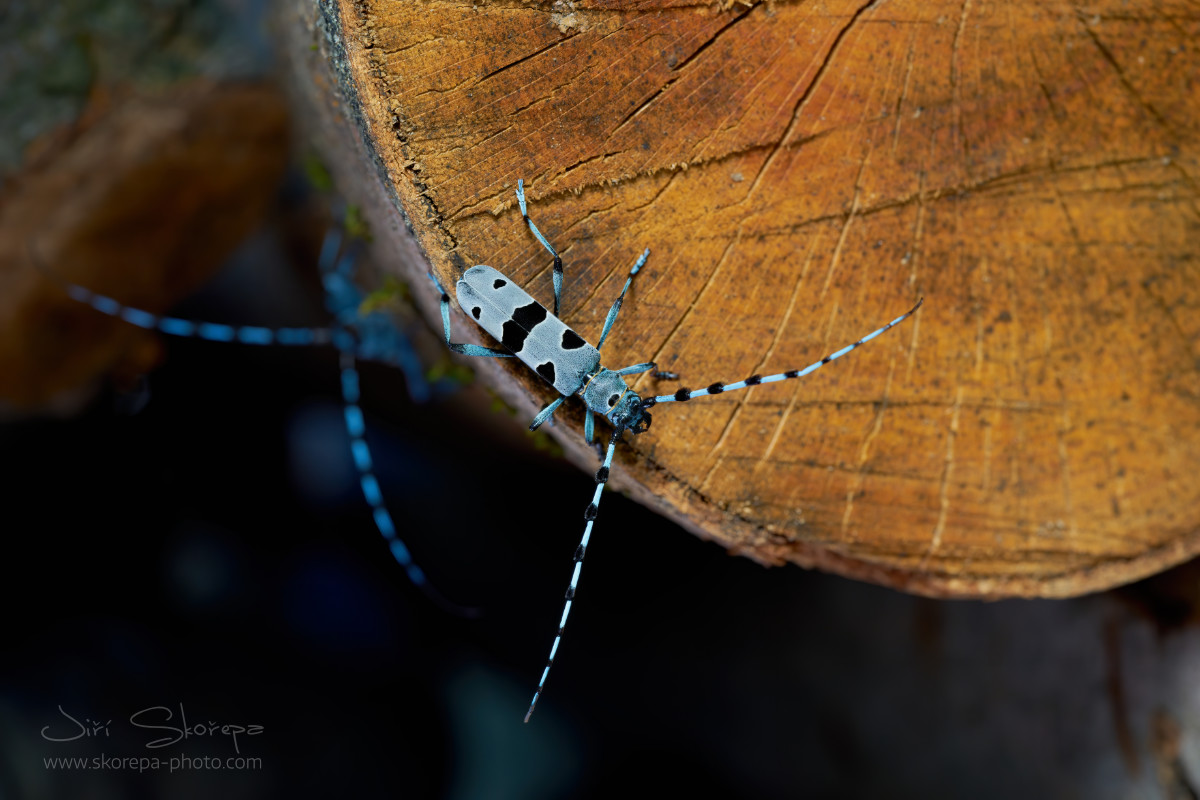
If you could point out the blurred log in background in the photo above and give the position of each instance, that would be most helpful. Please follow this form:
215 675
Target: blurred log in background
139 145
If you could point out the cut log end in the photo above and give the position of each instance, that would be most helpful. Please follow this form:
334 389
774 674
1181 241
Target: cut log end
802 176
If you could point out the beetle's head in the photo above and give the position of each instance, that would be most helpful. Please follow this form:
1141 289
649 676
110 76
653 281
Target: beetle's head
624 408
632 413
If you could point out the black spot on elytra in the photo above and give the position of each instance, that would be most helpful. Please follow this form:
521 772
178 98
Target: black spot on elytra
499 283
683 394
523 320
530 315
571 340
513 336
546 371
476 311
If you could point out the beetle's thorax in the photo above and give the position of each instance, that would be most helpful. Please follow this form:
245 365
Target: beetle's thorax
606 393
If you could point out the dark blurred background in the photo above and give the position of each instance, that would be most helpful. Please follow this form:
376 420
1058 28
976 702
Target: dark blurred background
199 540
193 537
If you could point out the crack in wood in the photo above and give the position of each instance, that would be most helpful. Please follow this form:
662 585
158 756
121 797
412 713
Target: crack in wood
798 108
1121 76
947 471
956 82
525 58
678 68
865 450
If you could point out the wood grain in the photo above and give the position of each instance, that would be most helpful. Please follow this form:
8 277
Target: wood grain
802 173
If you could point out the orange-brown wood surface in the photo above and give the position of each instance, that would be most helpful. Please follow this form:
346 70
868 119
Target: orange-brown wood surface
802 173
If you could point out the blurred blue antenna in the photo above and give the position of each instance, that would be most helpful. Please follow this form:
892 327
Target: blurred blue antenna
369 335
211 331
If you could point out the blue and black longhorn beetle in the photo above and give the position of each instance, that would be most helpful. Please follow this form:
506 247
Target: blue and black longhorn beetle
371 336
572 366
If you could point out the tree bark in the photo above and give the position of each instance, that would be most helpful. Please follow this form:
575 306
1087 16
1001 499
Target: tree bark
803 173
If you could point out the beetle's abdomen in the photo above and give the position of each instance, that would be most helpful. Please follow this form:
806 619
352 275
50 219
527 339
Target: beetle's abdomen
526 328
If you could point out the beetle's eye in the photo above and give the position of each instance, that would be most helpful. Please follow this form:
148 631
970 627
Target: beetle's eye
612 401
